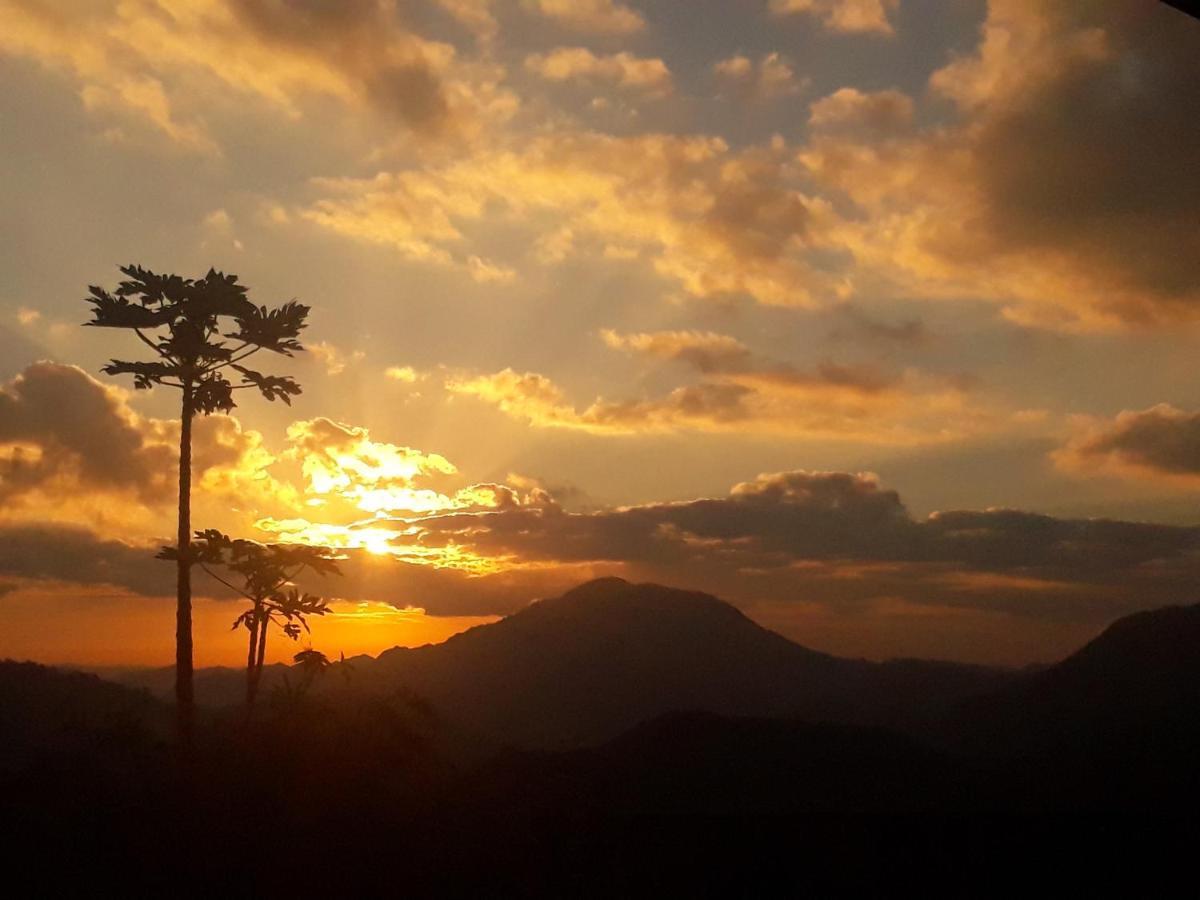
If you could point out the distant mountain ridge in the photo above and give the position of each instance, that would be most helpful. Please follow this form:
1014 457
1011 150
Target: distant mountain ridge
1138 680
584 667
587 665
43 707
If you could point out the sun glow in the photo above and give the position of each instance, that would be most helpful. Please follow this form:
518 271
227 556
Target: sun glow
394 538
342 462
359 494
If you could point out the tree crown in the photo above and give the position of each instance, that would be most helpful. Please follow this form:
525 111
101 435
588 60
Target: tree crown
185 322
266 572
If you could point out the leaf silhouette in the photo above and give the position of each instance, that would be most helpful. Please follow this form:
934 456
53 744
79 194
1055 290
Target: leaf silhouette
270 386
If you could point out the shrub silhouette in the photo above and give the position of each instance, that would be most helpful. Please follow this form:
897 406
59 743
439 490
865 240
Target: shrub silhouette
184 322
266 572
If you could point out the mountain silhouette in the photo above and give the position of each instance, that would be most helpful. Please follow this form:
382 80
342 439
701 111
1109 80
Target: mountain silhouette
642 723
1114 725
1141 675
215 686
45 710
583 667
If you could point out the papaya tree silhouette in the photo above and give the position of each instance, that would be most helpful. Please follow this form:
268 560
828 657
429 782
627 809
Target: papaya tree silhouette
199 330
311 664
265 573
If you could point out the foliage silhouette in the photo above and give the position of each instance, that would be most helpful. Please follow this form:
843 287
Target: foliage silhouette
311 664
186 322
266 572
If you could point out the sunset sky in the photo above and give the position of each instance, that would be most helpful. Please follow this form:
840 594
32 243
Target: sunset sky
877 318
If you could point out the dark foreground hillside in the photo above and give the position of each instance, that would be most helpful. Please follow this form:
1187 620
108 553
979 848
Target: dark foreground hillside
1083 771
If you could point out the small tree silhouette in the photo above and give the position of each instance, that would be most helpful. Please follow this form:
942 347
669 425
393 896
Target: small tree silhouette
183 321
266 572
311 664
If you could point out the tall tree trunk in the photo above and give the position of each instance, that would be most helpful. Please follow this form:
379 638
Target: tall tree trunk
262 649
262 645
251 659
184 698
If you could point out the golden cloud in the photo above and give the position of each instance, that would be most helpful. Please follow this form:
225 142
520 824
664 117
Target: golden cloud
333 358
850 16
880 111
72 450
475 15
716 222
649 75
403 374
706 350
1063 191
340 461
143 57
1160 443
599 16
741 395
771 77
741 392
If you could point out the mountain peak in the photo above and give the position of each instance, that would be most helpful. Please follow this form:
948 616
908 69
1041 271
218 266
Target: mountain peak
663 622
1158 644
616 597
598 585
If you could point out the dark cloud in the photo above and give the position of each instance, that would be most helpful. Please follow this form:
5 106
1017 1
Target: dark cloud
362 38
1161 440
1101 158
758 215
77 555
1090 157
1066 186
65 434
794 516
449 591
721 356
66 554
770 538
59 421
854 324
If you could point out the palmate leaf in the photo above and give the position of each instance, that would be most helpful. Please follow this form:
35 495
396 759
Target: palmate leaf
216 294
145 374
209 547
152 288
272 387
274 329
109 311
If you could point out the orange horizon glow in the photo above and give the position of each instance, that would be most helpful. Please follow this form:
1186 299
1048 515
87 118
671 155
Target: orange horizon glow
114 628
